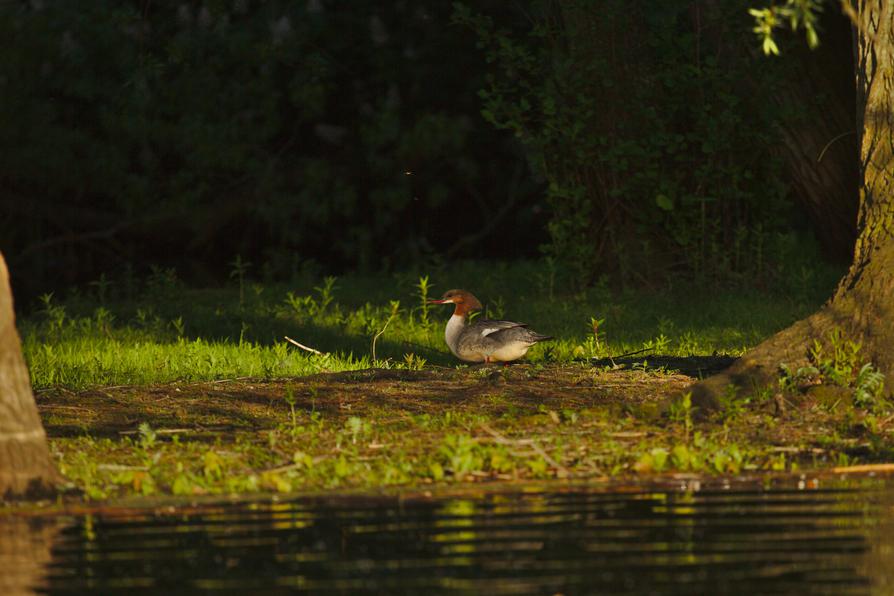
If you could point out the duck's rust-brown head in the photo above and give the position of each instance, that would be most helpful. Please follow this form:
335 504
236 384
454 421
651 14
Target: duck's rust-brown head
465 302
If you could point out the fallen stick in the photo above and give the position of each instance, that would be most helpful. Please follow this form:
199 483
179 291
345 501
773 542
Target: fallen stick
864 468
162 431
302 346
377 335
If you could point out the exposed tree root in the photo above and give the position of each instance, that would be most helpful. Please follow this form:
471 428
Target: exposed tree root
760 366
861 318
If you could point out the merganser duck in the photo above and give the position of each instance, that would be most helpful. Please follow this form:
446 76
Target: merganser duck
484 340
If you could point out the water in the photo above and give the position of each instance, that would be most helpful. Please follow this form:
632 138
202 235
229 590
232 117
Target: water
823 541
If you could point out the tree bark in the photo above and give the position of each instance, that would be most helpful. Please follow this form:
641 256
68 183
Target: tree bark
820 145
863 303
26 468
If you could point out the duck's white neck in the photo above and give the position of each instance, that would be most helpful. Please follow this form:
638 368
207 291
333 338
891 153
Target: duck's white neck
455 327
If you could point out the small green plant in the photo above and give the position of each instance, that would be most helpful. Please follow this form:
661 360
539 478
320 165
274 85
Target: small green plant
103 320
496 309
290 399
592 345
654 460
423 287
326 294
790 380
461 455
728 460
658 344
868 387
54 313
147 436
413 361
179 327
102 286
162 282
302 306
837 360
238 269
680 412
732 404
596 325
357 427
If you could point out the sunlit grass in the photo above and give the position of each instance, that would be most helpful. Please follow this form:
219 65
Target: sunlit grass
90 361
171 332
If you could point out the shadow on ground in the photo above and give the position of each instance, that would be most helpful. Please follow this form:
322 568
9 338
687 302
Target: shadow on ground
697 367
213 408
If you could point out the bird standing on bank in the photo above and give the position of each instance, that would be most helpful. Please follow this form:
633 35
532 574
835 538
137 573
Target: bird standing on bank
484 340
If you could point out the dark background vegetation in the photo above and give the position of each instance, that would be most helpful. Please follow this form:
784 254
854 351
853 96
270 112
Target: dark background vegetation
626 140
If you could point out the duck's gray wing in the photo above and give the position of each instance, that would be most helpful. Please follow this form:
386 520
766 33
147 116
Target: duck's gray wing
508 331
488 327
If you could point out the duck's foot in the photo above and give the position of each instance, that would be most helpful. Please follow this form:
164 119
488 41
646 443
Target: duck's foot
486 364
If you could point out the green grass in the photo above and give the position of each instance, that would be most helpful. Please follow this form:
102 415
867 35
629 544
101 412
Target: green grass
165 331
270 428
319 453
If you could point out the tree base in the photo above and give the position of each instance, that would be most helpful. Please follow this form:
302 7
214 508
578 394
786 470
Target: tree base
20 478
759 368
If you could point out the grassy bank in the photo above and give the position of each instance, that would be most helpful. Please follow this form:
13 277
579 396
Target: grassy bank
160 331
180 391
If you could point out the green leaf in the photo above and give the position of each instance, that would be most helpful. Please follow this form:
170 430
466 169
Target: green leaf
664 202
182 485
659 458
436 471
538 467
681 457
213 466
812 37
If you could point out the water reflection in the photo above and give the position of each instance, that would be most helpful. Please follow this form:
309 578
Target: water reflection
780 541
25 551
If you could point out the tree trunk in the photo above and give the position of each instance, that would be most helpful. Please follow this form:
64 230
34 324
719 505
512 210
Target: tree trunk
820 144
863 304
26 468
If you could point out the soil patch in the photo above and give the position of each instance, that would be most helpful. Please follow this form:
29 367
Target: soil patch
372 429
262 404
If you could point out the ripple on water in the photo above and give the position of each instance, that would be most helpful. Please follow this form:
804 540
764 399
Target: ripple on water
646 542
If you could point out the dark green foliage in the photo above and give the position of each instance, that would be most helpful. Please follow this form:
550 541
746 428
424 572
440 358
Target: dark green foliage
306 136
651 124
187 133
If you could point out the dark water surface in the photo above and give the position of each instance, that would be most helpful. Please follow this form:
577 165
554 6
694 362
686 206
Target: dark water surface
780 541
